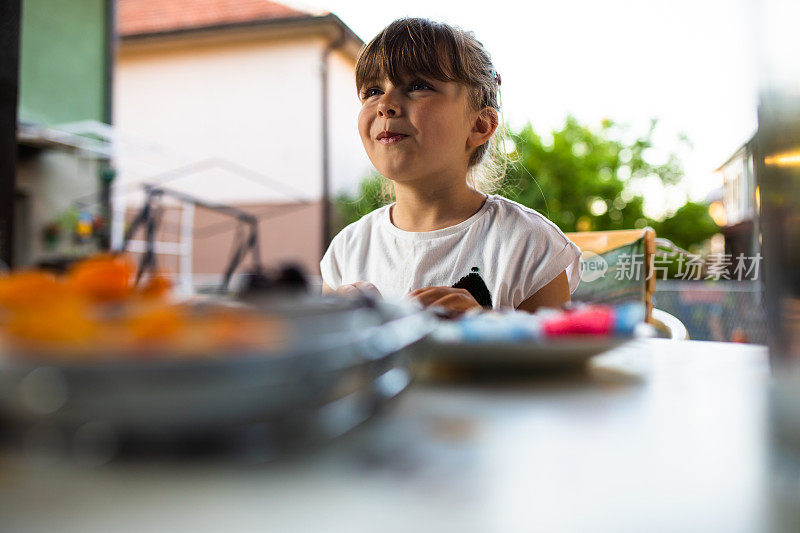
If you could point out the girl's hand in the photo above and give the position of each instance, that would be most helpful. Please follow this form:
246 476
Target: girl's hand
450 298
359 287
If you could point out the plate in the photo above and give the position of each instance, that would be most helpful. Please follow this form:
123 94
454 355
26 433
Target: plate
565 352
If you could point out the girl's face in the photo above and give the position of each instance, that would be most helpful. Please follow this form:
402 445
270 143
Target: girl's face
417 129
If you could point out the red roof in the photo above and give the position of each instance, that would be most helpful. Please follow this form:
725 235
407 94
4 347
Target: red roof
136 17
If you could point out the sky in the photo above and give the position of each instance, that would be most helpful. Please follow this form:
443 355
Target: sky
689 63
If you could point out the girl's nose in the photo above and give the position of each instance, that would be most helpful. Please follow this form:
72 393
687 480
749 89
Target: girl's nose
388 108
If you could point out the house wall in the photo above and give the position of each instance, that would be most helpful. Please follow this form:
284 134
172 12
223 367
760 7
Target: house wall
62 61
255 103
63 78
739 187
349 161
288 233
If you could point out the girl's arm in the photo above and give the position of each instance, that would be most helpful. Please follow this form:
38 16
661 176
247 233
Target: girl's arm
553 294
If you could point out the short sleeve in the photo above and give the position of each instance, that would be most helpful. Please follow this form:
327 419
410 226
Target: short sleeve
575 267
555 253
329 266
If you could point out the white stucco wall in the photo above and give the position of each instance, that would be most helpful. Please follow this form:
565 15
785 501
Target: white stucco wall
350 162
256 103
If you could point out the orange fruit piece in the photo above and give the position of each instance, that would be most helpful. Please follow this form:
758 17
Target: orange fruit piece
156 287
64 323
32 289
103 278
157 325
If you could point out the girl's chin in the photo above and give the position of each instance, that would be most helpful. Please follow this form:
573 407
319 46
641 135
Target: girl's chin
394 172
398 177
400 173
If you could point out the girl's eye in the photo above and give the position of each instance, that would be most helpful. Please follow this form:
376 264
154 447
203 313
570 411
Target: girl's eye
419 86
372 91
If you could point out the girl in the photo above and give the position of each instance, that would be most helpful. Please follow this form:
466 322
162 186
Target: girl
429 96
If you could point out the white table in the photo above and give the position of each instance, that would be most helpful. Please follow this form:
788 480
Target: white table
654 436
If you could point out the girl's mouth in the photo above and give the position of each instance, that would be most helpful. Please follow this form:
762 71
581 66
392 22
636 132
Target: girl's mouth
390 137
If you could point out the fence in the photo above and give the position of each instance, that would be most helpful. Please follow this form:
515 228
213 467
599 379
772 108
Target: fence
715 310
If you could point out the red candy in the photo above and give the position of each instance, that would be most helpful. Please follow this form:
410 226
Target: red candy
593 320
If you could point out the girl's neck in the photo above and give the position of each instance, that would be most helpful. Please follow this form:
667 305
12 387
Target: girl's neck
432 209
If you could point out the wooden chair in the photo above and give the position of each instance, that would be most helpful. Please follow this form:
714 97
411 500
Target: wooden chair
619 249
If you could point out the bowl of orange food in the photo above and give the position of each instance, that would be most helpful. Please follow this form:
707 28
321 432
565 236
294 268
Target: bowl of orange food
93 349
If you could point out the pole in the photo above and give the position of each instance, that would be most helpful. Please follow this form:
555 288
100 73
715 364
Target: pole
107 171
326 201
9 91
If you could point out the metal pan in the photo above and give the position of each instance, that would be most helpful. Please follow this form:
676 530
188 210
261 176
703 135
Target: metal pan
341 349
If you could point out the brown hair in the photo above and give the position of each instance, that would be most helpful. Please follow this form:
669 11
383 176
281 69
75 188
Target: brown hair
410 46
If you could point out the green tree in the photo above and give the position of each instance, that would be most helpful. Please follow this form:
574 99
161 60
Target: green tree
690 225
581 179
351 208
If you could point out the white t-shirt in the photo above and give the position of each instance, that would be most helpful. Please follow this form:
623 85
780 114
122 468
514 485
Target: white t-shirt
502 255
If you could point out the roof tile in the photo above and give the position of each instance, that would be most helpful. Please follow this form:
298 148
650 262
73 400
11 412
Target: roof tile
136 17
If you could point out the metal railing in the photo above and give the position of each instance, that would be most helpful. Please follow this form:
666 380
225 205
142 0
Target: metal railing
715 310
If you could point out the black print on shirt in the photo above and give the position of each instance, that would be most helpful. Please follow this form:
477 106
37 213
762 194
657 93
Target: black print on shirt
473 283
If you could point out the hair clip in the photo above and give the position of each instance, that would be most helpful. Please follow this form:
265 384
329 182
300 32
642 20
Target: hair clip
496 76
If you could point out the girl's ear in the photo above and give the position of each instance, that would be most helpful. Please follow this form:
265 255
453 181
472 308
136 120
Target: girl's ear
483 127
